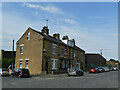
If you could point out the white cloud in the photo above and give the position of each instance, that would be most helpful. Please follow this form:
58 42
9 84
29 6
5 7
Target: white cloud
48 8
14 27
70 21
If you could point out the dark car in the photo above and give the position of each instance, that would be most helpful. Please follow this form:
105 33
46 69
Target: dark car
100 69
21 72
75 72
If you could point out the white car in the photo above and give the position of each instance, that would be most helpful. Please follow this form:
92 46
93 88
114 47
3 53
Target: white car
4 72
0 71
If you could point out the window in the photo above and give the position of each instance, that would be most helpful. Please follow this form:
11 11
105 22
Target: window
20 64
74 54
21 49
62 51
27 63
28 36
54 48
66 51
54 64
71 53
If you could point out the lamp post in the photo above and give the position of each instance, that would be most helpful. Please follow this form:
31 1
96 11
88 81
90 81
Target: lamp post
101 55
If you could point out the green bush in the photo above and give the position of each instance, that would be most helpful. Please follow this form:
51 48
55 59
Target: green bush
6 62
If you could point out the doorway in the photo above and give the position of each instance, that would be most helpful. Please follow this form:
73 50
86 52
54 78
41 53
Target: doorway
46 67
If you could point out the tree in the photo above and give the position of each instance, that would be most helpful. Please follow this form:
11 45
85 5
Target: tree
7 61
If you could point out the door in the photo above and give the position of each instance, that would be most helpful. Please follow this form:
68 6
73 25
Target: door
46 67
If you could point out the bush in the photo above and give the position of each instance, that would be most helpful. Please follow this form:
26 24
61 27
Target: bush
6 62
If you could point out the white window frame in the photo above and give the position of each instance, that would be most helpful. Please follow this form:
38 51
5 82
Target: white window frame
20 65
54 64
27 63
54 47
22 45
28 36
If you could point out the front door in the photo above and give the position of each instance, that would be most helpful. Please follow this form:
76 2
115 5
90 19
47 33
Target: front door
46 67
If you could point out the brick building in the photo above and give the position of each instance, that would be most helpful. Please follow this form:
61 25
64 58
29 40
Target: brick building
7 54
45 54
94 60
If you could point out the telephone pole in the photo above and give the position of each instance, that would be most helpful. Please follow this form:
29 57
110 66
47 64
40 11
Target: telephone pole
13 56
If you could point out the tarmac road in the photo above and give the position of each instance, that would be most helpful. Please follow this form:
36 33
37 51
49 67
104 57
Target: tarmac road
100 80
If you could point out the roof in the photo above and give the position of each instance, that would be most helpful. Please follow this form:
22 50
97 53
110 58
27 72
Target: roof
50 38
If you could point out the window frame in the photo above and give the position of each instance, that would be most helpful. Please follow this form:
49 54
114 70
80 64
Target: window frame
66 51
54 64
26 63
28 36
20 63
54 47
21 48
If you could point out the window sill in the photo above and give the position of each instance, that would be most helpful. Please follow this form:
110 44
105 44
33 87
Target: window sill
54 68
53 53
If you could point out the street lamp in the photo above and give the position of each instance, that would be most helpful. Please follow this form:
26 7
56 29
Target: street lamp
101 55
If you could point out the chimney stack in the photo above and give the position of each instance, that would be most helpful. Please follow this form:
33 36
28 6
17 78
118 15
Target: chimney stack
73 40
57 36
45 30
65 38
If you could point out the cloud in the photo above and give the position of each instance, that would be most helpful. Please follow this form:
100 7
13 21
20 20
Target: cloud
70 21
48 8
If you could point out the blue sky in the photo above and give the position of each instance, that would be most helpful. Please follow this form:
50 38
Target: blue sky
94 26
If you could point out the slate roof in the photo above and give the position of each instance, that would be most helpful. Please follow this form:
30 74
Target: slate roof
50 38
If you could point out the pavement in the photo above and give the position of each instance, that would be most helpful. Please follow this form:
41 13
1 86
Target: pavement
99 80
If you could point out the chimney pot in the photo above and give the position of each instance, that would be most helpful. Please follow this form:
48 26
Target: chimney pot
65 38
56 35
45 30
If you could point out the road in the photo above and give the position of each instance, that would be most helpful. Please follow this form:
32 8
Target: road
101 80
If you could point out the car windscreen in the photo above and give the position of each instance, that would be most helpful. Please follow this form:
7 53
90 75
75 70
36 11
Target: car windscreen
73 69
25 70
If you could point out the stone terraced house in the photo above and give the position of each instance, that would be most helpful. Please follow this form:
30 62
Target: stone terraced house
45 54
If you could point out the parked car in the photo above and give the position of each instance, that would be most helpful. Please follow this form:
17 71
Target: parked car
20 72
4 72
113 69
106 69
75 72
94 70
100 69
0 71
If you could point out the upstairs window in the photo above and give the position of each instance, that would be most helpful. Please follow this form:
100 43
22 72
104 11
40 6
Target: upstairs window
66 51
54 48
21 49
28 36
74 54
62 51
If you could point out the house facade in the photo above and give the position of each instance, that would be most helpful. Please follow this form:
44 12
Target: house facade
113 63
45 54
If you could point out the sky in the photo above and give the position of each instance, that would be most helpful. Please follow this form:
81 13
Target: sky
93 25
